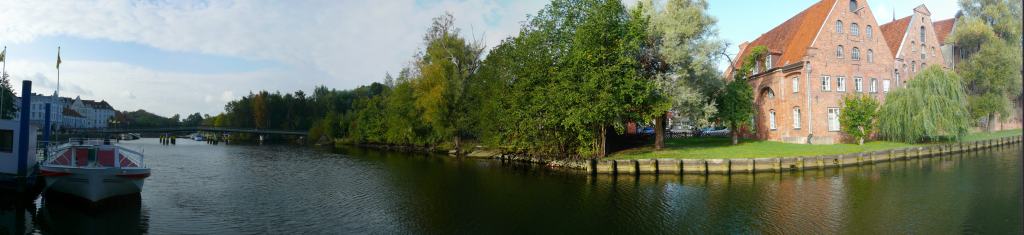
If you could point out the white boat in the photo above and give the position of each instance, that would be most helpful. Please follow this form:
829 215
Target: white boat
94 169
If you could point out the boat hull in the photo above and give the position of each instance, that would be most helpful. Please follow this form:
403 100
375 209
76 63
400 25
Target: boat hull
94 184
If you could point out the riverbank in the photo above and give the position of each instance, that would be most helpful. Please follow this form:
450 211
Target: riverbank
722 148
792 163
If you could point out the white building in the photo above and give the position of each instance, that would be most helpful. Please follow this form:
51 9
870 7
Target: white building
68 113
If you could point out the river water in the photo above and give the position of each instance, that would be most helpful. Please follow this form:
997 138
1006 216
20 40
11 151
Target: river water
216 189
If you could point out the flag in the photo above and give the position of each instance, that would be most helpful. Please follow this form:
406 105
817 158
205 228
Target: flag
58 58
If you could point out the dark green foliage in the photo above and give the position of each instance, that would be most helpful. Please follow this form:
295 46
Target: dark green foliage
858 116
7 102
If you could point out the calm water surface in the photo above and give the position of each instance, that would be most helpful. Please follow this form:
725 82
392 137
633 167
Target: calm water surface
206 189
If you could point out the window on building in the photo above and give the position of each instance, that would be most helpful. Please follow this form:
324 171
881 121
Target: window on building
796 84
771 119
839 26
868 32
924 51
858 84
853 5
885 85
826 83
874 85
913 46
913 66
855 54
796 117
871 56
7 141
897 76
768 62
854 29
922 32
833 119
840 84
839 51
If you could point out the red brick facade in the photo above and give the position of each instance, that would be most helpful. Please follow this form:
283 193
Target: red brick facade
802 90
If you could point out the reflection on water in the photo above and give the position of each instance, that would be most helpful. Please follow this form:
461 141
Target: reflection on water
198 188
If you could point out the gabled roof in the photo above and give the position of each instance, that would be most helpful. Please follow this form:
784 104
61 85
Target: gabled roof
943 28
71 113
893 33
792 37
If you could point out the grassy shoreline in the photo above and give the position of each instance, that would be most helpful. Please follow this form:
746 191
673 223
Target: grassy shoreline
721 148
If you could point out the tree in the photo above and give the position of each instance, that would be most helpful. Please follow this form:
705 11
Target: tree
736 106
446 67
933 105
683 59
736 102
194 119
989 32
992 79
7 97
858 116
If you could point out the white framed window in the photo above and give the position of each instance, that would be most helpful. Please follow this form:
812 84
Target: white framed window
826 83
874 85
840 83
796 84
858 84
855 54
885 85
924 51
913 66
868 32
768 62
871 56
839 51
771 119
854 29
833 119
839 26
853 5
796 117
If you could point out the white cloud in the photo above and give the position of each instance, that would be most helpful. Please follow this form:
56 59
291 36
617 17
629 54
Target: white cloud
352 42
355 42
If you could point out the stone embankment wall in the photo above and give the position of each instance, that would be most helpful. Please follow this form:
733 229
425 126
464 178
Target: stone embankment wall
747 165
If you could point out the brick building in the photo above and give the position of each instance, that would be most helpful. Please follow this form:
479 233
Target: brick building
830 50
835 48
913 42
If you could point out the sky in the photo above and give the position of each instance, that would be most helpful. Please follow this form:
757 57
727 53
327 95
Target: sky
182 57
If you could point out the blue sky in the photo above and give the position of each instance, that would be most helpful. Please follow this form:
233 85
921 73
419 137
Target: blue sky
180 57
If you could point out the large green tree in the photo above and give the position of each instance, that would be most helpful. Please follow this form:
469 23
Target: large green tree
683 59
446 68
858 116
989 32
933 105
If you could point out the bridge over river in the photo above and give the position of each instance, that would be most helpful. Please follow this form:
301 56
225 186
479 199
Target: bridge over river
188 129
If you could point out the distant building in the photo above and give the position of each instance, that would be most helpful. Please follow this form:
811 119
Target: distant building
73 113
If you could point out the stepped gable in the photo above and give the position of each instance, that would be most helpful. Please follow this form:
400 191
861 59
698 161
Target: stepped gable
793 37
893 33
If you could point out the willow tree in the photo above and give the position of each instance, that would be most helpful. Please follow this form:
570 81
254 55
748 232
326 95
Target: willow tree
933 105
683 59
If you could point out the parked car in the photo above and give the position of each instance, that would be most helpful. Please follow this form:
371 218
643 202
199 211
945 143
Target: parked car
680 129
647 131
714 131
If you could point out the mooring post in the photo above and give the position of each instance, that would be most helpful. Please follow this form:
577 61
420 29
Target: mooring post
46 130
26 98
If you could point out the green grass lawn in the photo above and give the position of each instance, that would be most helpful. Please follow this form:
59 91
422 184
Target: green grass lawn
720 147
